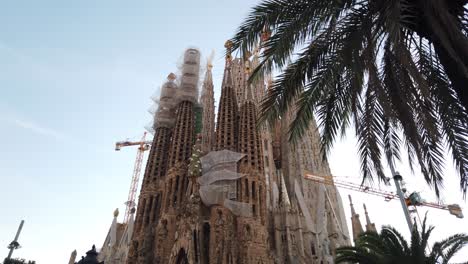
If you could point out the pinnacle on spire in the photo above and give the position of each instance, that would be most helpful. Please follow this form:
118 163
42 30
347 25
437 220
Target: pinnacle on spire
171 76
226 127
207 102
249 137
369 225
248 94
367 215
228 46
227 78
355 222
353 212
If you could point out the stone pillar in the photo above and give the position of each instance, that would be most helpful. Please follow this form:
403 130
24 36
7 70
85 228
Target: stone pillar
72 257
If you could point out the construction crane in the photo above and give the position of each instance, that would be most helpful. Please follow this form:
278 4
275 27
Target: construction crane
143 145
414 199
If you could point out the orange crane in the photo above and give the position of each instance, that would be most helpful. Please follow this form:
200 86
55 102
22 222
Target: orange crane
414 199
143 145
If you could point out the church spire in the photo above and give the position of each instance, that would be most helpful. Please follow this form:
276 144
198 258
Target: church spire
249 138
163 123
249 87
355 222
226 127
370 227
183 135
207 102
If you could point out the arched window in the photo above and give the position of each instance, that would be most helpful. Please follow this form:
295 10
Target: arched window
176 189
182 257
253 190
195 245
206 243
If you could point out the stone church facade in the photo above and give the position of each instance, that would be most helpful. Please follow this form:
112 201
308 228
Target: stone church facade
231 191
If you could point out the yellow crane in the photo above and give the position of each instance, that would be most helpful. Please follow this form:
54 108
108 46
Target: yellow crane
413 200
143 145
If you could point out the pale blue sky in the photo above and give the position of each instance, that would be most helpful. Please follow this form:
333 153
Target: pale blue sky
75 77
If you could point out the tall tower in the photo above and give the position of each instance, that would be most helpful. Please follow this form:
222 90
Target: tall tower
151 194
207 102
370 227
222 247
226 127
252 230
355 222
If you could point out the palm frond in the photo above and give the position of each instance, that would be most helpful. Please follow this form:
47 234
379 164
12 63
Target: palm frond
395 69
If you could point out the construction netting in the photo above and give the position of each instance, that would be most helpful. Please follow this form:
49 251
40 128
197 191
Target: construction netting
163 111
218 183
190 75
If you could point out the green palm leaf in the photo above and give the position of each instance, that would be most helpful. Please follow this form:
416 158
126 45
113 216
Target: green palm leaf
389 246
395 71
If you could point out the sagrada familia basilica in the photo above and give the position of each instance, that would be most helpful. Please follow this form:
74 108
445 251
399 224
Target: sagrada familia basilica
231 191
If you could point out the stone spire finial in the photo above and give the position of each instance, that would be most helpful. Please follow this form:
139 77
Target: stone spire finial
228 46
116 212
365 212
249 87
208 115
171 76
209 63
353 212
226 127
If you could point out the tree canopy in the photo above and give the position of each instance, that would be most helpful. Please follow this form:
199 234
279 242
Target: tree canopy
390 247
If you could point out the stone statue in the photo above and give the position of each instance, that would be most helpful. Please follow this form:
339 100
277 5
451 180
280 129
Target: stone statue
219 221
248 233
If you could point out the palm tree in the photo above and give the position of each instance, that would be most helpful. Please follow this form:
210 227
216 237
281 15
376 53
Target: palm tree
395 70
391 247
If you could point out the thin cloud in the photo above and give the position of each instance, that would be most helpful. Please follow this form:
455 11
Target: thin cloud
38 129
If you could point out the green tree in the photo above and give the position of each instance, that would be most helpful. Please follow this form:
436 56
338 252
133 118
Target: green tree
389 246
395 70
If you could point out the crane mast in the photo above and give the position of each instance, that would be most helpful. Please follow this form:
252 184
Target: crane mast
143 145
